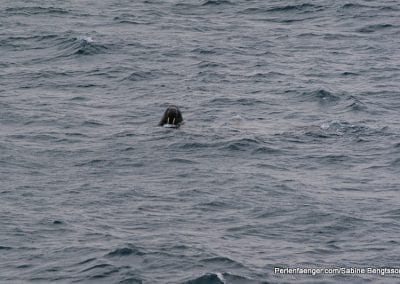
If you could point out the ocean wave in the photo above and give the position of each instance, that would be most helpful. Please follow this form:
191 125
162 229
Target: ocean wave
242 144
214 205
300 8
207 51
209 278
245 101
336 128
22 42
102 270
348 74
339 101
131 280
87 261
208 76
5 248
250 144
57 46
182 161
222 278
375 28
133 19
191 145
305 7
125 251
355 6
102 163
221 261
322 96
80 45
345 128
92 123
216 2
210 64
35 10
141 76
267 150
355 104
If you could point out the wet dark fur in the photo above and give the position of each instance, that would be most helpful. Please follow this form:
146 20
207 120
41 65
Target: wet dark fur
172 115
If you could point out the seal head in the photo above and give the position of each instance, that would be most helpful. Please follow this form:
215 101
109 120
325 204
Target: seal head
172 117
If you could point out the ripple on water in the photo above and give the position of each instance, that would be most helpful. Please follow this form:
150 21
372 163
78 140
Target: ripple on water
125 251
216 2
323 97
36 10
302 8
81 45
375 28
221 278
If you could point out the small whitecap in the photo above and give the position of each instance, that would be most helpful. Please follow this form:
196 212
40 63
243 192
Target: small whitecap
325 126
169 125
237 117
220 277
85 38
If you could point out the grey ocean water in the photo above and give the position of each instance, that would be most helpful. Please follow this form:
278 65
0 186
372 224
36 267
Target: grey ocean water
289 155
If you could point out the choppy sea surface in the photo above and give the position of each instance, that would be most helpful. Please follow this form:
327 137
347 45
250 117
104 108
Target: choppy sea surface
289 155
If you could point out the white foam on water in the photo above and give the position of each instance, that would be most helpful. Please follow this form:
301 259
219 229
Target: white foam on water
220 277
85 38
169 125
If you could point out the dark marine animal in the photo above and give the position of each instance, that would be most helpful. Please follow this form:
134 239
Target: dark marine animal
172 117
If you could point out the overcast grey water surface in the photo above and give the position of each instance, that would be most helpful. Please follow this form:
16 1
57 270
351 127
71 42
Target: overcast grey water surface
289 155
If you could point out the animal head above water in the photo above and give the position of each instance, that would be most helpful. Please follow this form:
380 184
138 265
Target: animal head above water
172 117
